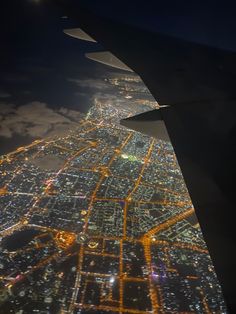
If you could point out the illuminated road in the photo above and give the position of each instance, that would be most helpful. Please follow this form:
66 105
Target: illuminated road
113 227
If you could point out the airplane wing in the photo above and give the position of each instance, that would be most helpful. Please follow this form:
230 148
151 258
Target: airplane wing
197 83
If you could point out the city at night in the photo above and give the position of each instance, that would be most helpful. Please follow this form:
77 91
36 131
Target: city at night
98 212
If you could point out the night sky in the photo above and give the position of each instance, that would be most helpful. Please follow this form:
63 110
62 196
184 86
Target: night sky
41 71
42 68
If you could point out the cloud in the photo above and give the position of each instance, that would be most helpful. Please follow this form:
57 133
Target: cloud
4 94
90 83
26 92
71 114
36 120
15 77
6 108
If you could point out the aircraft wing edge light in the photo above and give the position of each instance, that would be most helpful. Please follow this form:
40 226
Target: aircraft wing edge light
78 33
106 57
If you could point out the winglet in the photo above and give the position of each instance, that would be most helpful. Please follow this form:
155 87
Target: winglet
79 34
149 123
106 57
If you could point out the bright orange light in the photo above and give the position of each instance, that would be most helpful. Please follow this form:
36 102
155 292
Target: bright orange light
93 244
64 239
3 190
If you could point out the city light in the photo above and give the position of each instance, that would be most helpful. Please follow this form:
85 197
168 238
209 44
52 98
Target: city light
112 280
112 229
